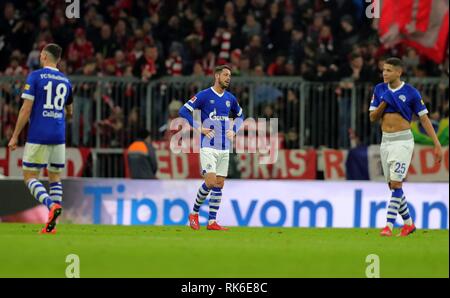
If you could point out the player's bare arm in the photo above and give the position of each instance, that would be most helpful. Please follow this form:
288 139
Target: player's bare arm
206 131
230 134
378 113
69 111
426 123
24 117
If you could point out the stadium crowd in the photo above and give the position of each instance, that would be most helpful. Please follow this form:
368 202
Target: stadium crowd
326 41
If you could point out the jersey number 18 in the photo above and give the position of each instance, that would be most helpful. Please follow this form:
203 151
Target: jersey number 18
58 100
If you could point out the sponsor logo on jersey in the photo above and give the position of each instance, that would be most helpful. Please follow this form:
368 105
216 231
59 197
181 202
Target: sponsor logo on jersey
213 116
402 98
52 114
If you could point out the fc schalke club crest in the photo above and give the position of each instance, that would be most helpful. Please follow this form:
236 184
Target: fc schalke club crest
227 103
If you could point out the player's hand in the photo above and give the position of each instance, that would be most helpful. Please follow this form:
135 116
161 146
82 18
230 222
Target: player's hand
437 154
13 143
208 132
387 98
230 134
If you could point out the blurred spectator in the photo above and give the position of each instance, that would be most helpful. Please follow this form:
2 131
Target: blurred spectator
82 106
174 63
209 32
235 62
325 40
133 124
105 45
209 63
79 50
315 29
440 126
344 97
173 108
222 41
291 140
296 48
142 162
284 40
264 92
198 70
356 70
251 27
278 67
411 60
120 62
347 36
121 33
273 24
244 65
33 61
290 68
111 128
307 71
149 66
254 51
16 67
325 72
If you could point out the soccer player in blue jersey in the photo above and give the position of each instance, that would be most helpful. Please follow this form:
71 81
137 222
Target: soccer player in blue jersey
395 102
215 104
47 102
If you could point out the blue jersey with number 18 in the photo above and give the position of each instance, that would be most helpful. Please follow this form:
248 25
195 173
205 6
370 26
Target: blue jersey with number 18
50 90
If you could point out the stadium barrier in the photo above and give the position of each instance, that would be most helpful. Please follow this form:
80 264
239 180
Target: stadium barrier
360 163
272 203
364 163
108 110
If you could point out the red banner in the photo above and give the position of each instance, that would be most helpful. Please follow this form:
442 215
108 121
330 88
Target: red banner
423 167
177 166
11 162
422 24
333 162
290 164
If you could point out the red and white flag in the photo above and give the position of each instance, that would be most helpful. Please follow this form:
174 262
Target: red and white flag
422 24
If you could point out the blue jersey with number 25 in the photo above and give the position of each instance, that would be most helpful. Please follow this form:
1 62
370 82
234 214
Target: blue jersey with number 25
405 100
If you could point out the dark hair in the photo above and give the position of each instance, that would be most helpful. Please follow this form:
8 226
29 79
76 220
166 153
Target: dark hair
143 133
394 61
54 50
355 55
219 68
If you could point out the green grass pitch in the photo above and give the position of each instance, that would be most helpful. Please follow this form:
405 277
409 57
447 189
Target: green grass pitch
161 251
